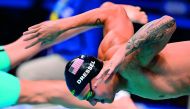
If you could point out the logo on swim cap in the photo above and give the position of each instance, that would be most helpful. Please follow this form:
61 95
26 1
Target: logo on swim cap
76 65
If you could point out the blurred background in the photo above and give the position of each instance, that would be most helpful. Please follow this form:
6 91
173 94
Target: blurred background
17 15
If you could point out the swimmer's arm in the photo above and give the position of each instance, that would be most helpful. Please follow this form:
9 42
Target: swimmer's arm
49 32
18 53
55 92
95 17
67 35
143 45
147 46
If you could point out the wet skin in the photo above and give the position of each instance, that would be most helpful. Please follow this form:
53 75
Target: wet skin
146 70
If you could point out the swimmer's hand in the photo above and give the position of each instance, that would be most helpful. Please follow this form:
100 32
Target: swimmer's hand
111 66
50 32
45 33
135 14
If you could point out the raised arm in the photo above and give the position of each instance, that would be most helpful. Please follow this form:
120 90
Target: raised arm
54 31
74 25
151 39
49 31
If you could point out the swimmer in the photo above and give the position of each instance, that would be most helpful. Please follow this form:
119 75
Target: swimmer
134 72
147 68
27 91
106 13
31 92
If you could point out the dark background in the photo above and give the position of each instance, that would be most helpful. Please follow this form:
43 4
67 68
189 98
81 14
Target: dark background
17 15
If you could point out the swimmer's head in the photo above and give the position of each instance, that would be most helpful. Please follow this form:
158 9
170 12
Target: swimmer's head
80 76
80 71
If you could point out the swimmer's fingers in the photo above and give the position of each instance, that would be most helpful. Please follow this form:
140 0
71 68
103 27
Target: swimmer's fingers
31 31
97 82
104 73
103 70
32 44
144 18
99 79
31 36
38 40
115 62
100 76
109 75
138 8
104 77
110 72
35 26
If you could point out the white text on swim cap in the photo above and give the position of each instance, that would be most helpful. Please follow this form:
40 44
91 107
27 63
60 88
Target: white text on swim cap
87 71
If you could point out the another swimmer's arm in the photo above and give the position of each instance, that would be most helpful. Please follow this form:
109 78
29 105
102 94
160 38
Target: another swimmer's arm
54 92
17 53
5 63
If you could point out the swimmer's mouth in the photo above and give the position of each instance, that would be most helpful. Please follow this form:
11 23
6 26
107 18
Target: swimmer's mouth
105 101
102 101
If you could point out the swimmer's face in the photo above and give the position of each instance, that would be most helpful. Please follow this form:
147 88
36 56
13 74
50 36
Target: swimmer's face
104 92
